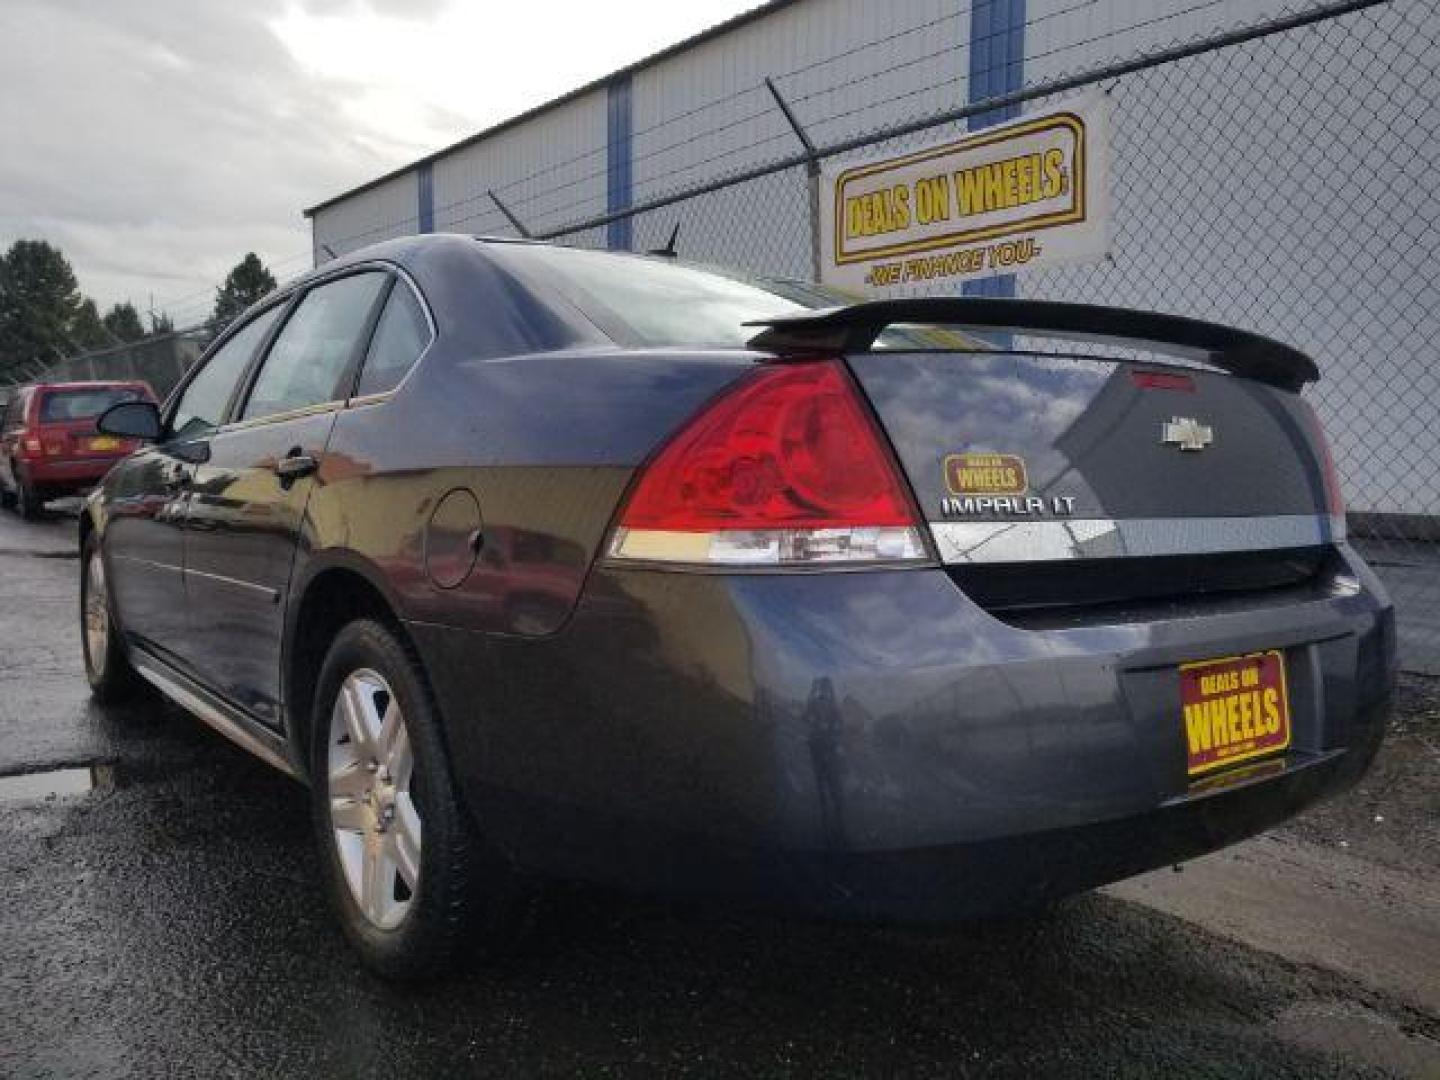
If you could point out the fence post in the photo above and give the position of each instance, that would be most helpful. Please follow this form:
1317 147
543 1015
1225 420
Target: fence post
812 175
515 221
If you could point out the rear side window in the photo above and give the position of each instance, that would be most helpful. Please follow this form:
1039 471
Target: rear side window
314 351
61 405
400 337
202 406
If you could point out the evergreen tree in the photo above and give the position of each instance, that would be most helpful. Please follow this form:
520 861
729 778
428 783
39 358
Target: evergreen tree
123 322
39 305
245 284
87 329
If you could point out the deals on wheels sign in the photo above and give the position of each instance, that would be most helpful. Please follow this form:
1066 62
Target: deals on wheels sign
1029 193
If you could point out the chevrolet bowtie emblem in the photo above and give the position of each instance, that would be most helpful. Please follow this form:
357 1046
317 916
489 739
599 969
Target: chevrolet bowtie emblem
1186 433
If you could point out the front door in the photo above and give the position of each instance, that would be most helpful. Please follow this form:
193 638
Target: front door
248 503
146 498
144 545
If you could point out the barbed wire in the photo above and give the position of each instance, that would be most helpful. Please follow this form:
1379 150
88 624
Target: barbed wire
541 212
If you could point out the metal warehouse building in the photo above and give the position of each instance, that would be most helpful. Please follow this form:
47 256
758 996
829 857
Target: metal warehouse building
1270 168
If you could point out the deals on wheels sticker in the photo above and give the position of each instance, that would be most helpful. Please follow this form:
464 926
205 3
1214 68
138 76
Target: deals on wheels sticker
1234 709
1029 193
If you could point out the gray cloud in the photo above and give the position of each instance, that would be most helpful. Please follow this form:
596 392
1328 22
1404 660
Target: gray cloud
404 9
156 141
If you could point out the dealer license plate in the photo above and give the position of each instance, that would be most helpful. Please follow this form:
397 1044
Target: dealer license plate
1234 709
104 442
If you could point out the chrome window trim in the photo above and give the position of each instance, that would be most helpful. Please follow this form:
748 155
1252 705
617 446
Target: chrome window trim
969 542
371 399
276 418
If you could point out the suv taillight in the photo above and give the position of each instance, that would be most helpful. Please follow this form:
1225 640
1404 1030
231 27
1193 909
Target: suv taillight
787 468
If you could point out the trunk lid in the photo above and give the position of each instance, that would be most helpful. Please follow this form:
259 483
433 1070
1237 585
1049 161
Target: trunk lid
982 436
66 418
1161 483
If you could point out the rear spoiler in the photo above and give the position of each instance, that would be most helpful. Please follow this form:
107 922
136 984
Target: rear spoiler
855 327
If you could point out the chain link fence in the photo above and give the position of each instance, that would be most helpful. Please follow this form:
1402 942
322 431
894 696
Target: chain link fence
1281 177
1279 174
160 360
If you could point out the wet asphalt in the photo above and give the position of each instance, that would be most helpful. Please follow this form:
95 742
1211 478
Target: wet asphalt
170 923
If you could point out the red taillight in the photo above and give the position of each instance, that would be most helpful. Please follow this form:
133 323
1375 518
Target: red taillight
1163 380
786 468
1335 501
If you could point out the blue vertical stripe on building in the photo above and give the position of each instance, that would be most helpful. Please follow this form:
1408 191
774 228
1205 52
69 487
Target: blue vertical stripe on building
618 156
425 185
997 66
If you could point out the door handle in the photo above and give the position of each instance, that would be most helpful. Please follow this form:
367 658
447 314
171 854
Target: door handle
294 465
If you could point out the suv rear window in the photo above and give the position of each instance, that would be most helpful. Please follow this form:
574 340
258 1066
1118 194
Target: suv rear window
58 406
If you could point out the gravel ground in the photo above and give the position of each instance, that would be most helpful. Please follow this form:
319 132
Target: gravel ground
1392 817
170 922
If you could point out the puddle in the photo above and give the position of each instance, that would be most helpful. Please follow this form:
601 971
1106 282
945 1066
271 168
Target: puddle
57 783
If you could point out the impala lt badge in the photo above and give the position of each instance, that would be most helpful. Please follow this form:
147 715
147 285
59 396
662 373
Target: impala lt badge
1186 433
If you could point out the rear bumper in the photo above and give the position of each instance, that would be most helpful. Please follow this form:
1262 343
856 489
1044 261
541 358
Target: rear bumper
66 475
873 744
956 881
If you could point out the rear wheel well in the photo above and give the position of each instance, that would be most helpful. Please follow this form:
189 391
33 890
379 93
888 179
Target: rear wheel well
331 601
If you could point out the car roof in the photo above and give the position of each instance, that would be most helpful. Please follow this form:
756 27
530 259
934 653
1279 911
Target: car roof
90 384
406 251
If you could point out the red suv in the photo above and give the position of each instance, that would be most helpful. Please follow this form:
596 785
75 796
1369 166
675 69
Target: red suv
49 447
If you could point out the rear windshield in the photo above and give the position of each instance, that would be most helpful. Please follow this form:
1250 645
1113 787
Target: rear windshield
61 405
658 301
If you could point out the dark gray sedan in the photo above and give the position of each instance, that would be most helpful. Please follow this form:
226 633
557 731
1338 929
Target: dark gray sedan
544 562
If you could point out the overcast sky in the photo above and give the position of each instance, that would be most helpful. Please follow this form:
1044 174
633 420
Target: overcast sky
156 141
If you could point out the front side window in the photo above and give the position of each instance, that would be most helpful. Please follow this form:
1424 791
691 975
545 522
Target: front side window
400 337
313 352
201 407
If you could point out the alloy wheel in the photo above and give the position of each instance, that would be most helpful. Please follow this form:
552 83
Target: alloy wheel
376 825
97 613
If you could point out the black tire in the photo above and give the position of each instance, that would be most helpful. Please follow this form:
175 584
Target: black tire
111 677
28 501
7 497
466 901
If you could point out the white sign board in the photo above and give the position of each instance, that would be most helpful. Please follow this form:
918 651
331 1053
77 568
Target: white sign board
1032 192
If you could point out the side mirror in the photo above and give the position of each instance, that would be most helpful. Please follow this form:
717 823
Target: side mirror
131 420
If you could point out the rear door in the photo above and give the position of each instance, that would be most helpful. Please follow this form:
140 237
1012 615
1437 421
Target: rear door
247 511
146 496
